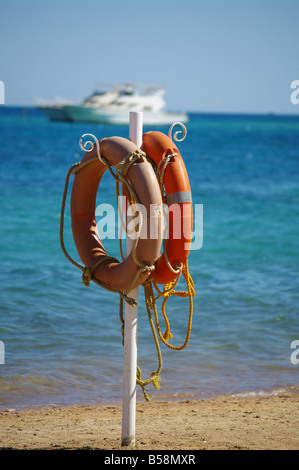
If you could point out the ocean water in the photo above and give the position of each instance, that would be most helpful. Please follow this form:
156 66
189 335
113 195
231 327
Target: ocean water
62 341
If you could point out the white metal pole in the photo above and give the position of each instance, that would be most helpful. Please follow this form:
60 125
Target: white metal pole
131 321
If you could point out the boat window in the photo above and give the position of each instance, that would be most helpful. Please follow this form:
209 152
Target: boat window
126 92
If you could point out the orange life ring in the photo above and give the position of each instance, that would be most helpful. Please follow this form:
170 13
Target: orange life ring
178 193
115 275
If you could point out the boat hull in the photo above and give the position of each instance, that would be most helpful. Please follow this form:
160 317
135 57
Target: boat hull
55 113
111 116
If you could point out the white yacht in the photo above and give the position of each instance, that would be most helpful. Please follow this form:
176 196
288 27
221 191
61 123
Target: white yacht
113 107
57 110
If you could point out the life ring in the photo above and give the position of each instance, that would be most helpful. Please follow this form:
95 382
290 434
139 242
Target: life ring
117 276
161 149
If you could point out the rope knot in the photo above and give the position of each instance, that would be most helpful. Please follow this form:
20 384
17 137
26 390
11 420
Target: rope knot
136 155
126 163
147 267
86 276
167 335
129 300
155 380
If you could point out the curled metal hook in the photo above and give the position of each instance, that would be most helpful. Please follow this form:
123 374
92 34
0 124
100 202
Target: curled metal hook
177 132
92 144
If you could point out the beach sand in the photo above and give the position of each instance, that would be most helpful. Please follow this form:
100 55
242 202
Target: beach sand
243 422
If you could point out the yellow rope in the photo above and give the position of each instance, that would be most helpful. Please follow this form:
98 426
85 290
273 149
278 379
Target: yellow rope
167 292
190 293
150 302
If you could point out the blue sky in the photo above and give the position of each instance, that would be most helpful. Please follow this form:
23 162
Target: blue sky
211 56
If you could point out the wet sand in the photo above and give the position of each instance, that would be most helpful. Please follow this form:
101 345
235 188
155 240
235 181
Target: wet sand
270 422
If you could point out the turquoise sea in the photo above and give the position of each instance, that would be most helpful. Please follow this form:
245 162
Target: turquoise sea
62 341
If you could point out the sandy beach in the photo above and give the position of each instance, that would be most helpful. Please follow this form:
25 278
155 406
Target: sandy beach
223 423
